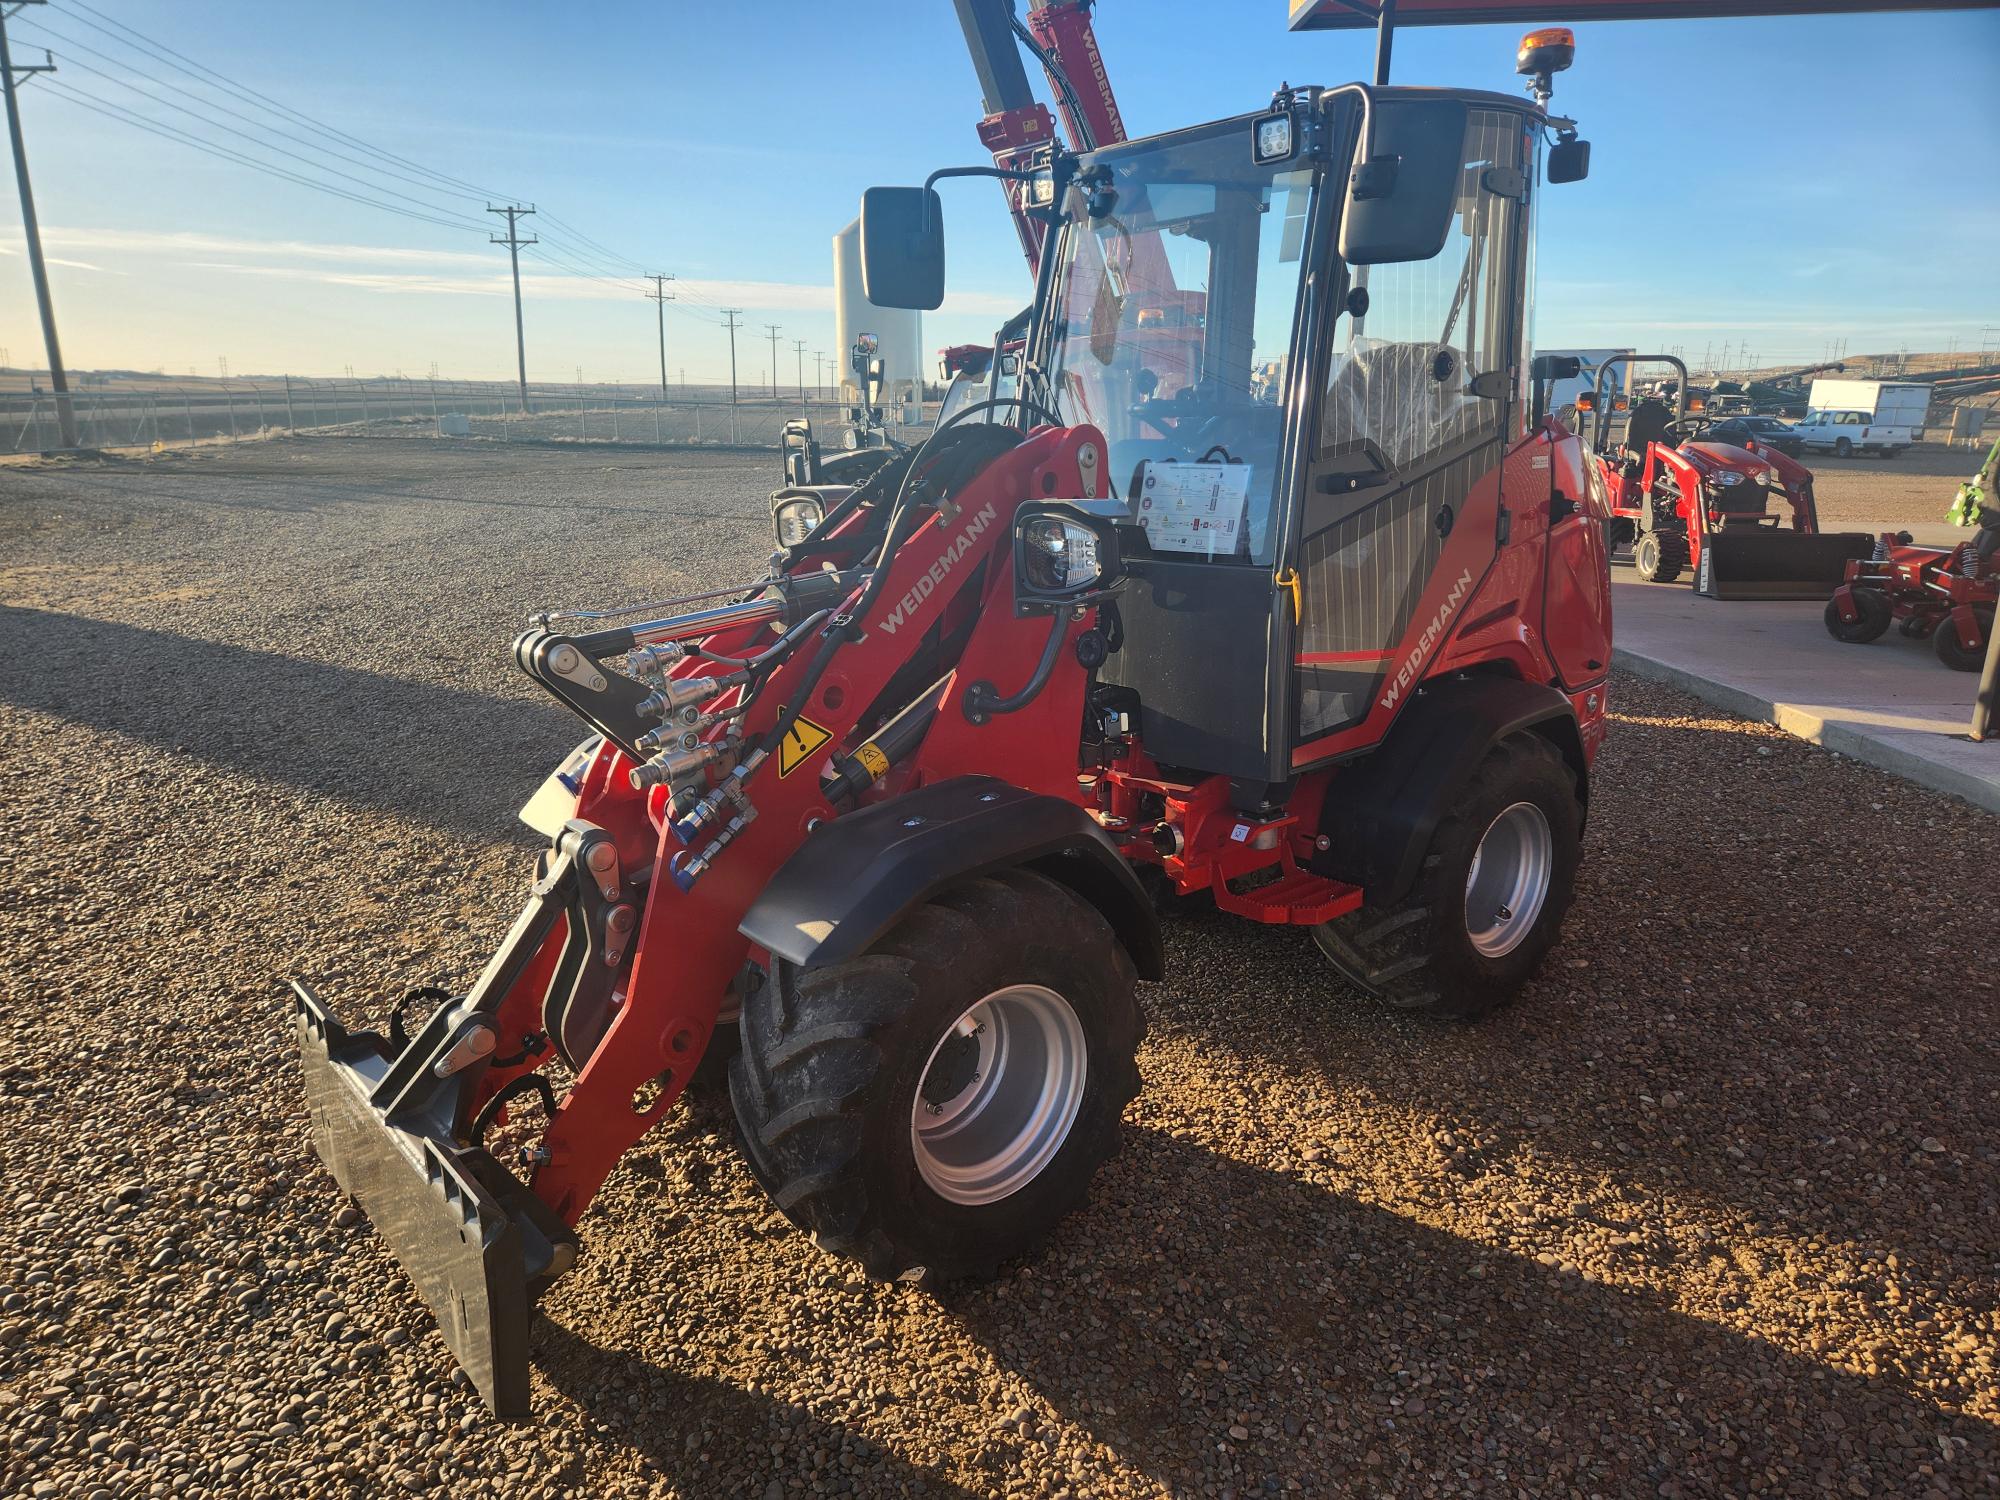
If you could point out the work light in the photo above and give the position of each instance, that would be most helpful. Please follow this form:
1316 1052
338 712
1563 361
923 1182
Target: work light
1272 138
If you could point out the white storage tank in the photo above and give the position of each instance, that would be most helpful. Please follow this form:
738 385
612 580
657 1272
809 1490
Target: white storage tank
898 330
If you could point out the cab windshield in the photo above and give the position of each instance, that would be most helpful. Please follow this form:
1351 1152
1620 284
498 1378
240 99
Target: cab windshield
1180 272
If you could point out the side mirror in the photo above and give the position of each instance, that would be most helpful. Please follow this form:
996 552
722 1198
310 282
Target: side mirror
1555 367
902 247
1569 161
1404 184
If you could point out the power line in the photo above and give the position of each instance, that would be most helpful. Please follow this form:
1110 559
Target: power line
514 242
253 122
597 258
424 203
173 133
181 62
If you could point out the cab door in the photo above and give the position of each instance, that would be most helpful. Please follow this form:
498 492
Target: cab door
1402 511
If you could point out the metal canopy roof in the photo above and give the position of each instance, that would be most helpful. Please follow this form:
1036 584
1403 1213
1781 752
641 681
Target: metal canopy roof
1342 15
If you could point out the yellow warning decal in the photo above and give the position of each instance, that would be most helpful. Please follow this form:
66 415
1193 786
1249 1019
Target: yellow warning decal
873 761
801 740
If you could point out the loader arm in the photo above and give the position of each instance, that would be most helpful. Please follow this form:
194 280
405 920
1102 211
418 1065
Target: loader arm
631 940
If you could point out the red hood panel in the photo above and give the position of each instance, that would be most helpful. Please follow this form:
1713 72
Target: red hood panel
1713 456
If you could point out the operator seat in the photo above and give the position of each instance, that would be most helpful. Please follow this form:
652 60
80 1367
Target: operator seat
1649 423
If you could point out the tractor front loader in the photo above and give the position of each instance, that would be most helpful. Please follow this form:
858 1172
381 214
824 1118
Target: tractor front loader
1742 520
1284 591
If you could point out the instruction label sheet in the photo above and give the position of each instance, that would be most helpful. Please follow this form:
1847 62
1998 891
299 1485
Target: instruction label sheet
1195 507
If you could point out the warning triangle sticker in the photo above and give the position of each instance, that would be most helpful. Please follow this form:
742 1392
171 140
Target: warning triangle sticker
800 741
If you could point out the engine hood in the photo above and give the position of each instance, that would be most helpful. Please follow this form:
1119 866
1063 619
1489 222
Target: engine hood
1711 457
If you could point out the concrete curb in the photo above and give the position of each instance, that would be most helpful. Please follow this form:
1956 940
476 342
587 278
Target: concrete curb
1844 739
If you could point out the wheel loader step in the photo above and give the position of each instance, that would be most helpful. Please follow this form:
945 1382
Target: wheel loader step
1298 899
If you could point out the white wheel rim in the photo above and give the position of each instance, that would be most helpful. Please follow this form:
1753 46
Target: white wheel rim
999 1094
1508 883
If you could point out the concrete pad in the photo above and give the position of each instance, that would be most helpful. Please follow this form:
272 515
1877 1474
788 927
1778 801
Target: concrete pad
1890 703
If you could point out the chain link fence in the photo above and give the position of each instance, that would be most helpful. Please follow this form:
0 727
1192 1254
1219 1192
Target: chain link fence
176 416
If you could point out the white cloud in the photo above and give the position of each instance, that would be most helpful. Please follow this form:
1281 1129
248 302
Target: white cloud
57 260
455 273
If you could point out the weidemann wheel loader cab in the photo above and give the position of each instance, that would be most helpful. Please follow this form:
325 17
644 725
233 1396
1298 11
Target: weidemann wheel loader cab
1308 369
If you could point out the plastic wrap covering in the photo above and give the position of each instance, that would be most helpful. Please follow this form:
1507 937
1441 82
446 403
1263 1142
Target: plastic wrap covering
1408 400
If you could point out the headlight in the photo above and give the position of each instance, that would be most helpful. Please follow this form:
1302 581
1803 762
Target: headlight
795 519
1065 553
1725 477
1059 555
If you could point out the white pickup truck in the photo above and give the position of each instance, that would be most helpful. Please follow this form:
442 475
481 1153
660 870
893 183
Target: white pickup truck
1846 417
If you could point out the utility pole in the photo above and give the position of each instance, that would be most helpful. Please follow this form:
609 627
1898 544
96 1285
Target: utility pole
31 226
732 313
800 349
819 372
661 296
514 242
774 359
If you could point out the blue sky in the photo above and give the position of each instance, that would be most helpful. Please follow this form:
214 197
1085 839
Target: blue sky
1780 182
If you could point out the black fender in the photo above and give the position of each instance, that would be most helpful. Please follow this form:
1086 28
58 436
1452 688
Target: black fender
1381 811
856 876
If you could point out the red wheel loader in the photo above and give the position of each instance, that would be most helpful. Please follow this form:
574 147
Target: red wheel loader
1285 591
1741 518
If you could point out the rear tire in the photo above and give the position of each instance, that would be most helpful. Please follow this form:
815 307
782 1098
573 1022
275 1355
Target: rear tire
1488 901
937 1105
1955 653
1875 617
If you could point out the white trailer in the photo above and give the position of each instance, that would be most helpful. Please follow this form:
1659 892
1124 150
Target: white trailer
1846 417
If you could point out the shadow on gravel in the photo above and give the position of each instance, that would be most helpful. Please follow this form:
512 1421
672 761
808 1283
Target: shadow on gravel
1777 1102
655 1410
435 754
1304 1316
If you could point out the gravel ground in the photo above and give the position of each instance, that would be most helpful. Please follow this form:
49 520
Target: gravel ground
1713 1209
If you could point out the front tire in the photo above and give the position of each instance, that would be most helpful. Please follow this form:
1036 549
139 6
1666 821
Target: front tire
1875 615
1657 561
937 1105
1955 653
1842 448
1489 899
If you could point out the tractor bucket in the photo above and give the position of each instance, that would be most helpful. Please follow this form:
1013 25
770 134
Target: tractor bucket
1764 564
475 1241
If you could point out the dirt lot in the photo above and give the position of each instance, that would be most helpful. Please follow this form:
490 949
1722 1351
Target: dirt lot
1713 1209
1911 489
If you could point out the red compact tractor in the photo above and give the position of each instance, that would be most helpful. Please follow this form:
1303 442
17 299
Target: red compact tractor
1329 648
1943 594
1742 518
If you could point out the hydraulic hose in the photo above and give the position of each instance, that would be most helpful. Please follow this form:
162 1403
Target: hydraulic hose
982 699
